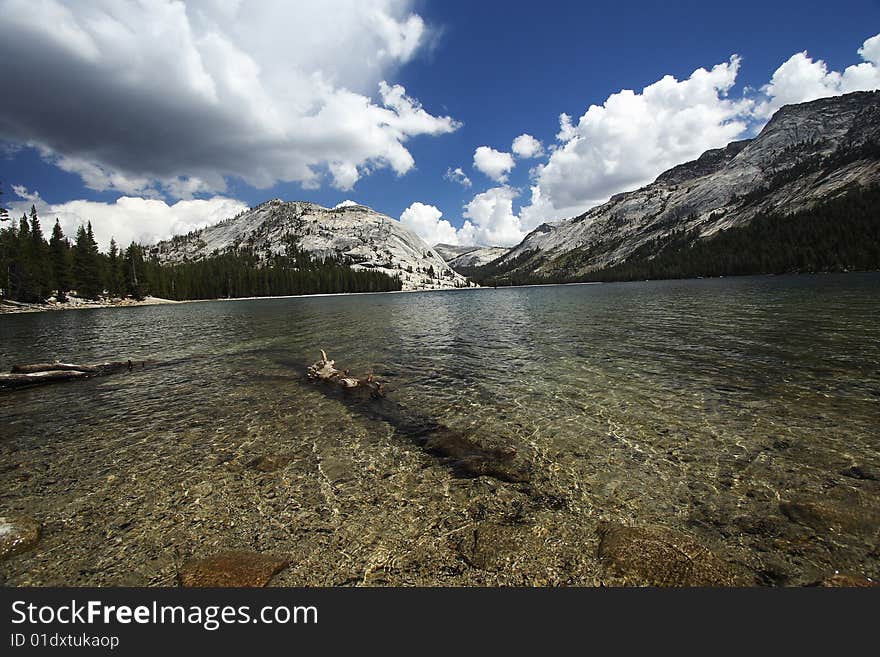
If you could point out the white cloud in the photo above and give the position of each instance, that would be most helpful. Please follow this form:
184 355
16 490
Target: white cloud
632 137
526 146
493 222
152 97
345 204
425 221
458 176
495 164
801 79
128 219
490 221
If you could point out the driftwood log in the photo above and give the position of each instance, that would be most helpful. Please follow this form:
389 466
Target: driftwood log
41 373
468 456
325 372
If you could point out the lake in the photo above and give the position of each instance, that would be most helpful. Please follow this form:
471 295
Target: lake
738 414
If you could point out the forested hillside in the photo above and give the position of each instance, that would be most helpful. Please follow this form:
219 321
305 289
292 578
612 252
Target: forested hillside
841 234
33 270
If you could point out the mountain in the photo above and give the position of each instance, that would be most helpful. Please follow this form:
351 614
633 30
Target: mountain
477 258
451 251
367 239
467 257
807 154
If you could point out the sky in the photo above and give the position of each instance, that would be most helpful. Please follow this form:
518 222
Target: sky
470 122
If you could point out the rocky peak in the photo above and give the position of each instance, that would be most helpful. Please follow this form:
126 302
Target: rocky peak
368 239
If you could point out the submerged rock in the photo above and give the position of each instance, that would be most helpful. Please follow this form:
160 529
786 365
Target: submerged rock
656 556
864 472
468 458
231 569
270 462
17 534
824 515
843 580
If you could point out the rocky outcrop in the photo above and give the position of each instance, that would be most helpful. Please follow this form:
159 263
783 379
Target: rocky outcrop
367 239
806 153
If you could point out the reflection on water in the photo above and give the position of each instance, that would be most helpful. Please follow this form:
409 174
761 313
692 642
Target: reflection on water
705 406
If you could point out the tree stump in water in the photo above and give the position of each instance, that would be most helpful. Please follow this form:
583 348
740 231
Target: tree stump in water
325 372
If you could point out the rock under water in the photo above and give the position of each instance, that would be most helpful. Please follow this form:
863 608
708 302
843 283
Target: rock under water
17 534
656 556
231 569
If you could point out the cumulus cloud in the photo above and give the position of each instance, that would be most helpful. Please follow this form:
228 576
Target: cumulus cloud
495 164
458 176
526 146
128 219
490 221
801 79
632 137
170 98
493 221
347 203
426 222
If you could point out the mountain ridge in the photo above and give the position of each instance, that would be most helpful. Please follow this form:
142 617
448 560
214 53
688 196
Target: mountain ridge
367 239
806 153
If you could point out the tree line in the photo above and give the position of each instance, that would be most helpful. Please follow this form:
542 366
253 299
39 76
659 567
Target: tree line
34 270
245 273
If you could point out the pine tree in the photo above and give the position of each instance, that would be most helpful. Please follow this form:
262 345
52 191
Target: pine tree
7 239
59 258
22 277
87 264
115 274
38 255
135 274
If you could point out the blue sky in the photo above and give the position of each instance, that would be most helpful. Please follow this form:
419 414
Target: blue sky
221 109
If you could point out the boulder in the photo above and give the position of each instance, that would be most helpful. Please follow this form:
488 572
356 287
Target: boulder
656 556
844 580
231 569
17 534
823 515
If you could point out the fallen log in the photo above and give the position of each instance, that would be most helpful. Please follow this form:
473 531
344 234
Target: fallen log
467 456
99 368
52 367
42 373
37 378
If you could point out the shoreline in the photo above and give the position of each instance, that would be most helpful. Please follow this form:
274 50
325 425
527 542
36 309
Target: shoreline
17 307
8 307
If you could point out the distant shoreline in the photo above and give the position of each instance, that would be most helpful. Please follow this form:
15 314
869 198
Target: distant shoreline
17 307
